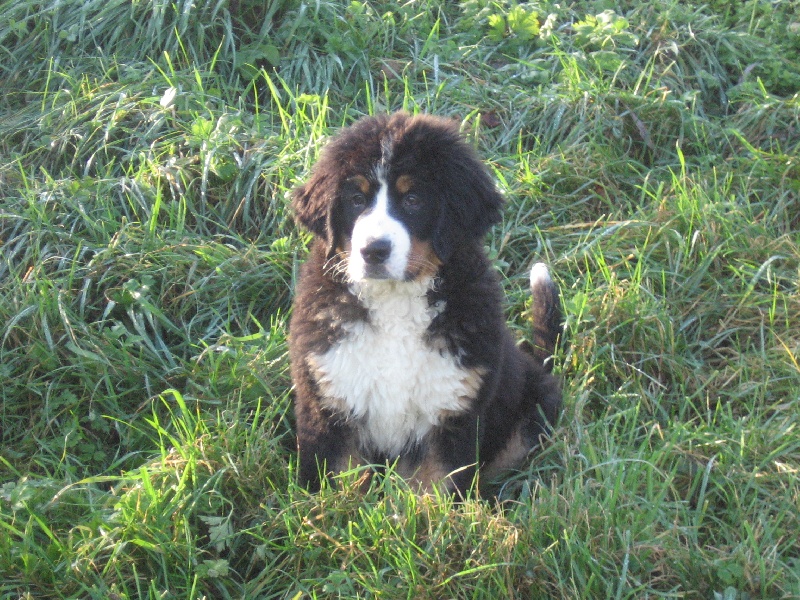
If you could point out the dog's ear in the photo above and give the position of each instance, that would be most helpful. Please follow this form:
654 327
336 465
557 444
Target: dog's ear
471 203
313 204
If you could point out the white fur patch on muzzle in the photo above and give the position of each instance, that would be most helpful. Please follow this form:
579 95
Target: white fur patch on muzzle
380 243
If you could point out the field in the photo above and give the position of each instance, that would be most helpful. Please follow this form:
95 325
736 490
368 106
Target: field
649 153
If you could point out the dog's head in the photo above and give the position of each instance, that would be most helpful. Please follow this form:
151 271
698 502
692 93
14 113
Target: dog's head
394 196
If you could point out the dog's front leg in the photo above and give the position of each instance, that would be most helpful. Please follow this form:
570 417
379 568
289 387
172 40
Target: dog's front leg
325 445
446 459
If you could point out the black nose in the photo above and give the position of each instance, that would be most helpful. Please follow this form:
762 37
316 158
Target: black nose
377 251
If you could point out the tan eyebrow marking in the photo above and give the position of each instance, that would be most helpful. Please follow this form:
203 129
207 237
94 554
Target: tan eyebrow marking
403 183
362 183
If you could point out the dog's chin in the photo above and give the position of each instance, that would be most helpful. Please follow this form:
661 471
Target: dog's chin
376 272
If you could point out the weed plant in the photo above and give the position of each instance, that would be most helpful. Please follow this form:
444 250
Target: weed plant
648 152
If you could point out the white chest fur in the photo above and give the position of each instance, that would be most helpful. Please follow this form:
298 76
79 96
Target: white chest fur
384 374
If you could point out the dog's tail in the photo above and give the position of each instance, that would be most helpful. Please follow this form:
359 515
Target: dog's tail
545 314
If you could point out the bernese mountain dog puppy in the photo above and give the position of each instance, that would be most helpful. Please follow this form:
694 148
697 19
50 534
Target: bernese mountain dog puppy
399 348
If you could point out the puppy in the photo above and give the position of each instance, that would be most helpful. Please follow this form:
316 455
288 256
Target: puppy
399 348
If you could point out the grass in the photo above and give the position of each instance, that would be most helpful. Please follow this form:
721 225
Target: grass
648 152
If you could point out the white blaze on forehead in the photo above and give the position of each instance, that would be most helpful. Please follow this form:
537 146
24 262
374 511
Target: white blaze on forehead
387 149
378 224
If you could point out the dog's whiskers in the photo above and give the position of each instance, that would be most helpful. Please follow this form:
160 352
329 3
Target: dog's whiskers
336 266
422 265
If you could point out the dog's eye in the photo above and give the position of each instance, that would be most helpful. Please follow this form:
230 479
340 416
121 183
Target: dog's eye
411 202
358 200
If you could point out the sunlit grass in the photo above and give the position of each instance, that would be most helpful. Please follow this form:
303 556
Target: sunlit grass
147 257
